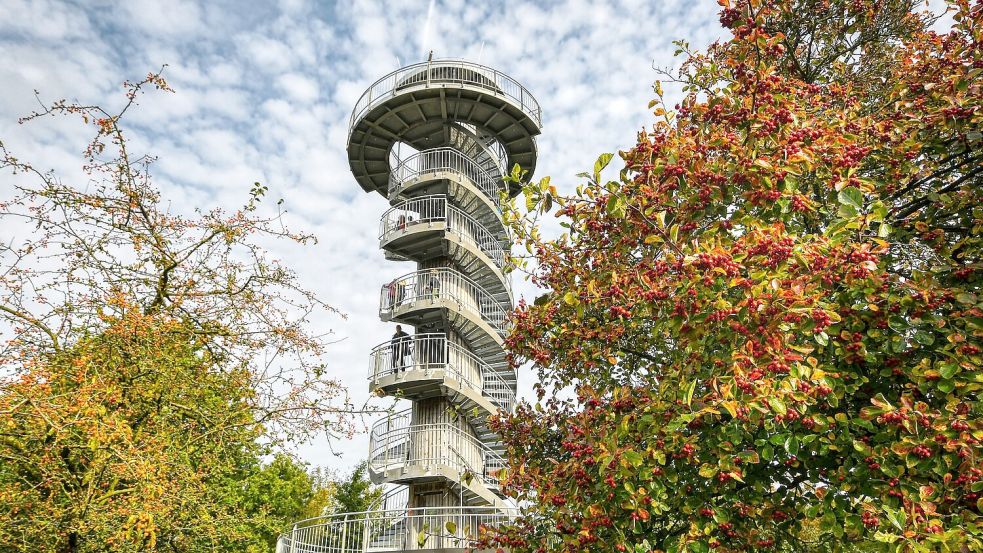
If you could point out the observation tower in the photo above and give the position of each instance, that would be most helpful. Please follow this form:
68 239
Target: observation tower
435 139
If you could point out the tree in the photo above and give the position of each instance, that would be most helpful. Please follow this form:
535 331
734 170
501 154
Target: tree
772 320
277 494
355 493
77 245
150 361
115 443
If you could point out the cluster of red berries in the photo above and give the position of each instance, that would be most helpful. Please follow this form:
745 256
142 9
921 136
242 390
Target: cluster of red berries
893 417
956 112
870 519
619 311
852 155
921 451
710 261
729 16
763 197
821 320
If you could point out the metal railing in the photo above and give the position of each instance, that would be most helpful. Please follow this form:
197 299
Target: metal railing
443 284
465 135
447 159
393 444
409 215
443 72
434 352
420 528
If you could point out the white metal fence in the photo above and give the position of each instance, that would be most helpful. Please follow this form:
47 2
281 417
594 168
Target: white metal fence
444 72
450 160
393 443
444 284
426 211
425 528
434 352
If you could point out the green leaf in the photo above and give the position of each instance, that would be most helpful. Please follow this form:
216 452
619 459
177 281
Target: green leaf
792 445
885 537
948 370
600 164
698 547
966 297
924 338
633 457
777 405
707 470
851 196
896 518
451 527
767 453
616 206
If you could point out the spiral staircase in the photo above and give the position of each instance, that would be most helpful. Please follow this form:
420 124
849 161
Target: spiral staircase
435 139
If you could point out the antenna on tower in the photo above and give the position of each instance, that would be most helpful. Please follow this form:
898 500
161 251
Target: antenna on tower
430 57
481 52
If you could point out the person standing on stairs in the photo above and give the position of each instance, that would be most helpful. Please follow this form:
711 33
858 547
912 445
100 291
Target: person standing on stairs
400 346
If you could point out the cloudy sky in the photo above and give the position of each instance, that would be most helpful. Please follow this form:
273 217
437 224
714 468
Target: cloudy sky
264 91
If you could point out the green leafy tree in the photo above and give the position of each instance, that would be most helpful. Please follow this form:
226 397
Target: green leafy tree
772 320
276 494
355 493
122 442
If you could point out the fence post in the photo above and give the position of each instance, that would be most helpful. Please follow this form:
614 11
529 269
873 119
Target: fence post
293 539
344 533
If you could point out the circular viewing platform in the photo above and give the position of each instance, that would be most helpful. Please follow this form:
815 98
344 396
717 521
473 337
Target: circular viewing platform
415 104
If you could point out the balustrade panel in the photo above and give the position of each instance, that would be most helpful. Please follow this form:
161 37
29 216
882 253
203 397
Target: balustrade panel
446 72
444 284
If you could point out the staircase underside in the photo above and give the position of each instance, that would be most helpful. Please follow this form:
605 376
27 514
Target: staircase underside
419 116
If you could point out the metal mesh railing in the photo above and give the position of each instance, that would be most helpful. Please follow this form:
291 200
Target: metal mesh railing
394 444
446 159
434 352
420 528
443 72
444 284
409 215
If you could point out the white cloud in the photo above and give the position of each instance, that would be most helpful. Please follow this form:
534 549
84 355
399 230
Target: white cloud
172 18
264 93
298 87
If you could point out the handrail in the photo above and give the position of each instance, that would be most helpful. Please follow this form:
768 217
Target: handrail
428 444
491 148
427 210
434 352
441 72
416 528
447 159
442 283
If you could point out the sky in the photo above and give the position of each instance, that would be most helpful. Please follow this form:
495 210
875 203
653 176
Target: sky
264 91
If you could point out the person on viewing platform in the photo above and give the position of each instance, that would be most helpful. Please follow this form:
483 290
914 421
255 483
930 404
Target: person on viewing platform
433 284
400 346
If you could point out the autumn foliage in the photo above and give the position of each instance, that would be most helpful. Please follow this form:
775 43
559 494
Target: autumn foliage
152 359
772 321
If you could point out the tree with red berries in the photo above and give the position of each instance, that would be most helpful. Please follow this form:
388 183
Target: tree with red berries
772 321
